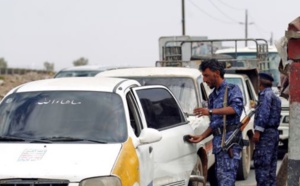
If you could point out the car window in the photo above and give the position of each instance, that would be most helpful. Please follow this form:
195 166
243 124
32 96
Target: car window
183 89
78 114
160 108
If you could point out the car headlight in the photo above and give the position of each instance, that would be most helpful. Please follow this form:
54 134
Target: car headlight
286 119
101 181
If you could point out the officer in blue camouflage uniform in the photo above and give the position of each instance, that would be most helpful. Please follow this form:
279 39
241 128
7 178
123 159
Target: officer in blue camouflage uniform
226 166
266 135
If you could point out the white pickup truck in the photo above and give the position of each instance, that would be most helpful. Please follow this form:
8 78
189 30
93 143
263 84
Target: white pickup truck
188 87
95 131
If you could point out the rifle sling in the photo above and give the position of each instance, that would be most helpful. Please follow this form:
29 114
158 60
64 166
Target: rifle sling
224 117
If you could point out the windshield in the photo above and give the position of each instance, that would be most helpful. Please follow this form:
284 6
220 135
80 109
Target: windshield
182 88
238 82
245 59
87 73
97 116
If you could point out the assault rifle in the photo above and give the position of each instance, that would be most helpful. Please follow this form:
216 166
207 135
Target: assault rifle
233 138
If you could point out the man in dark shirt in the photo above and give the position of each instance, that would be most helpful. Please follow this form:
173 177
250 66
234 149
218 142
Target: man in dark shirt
266 136
213 75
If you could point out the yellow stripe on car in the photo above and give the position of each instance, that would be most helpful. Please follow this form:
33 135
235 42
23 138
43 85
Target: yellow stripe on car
127 165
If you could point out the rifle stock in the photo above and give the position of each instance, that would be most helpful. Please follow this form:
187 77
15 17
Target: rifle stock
246 120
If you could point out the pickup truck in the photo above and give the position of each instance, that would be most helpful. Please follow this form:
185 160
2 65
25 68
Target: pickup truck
95 131
188 87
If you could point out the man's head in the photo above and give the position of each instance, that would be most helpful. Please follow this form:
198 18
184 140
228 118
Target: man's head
213 72
265 80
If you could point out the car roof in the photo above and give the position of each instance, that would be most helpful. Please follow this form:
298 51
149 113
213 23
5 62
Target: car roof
87 67
74 84
228 75
153 72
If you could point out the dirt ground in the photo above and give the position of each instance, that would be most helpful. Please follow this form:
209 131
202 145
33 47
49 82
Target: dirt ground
7 82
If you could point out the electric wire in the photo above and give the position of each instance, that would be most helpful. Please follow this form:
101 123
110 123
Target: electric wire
216 7
234 8
219 20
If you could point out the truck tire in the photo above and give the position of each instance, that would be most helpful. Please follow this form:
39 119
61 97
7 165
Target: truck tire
245 162
211 176
198 171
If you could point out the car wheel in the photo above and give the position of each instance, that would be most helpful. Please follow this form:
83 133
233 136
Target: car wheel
245 162
197 171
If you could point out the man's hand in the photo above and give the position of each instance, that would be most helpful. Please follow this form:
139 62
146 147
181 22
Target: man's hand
201 112
256 136
195 139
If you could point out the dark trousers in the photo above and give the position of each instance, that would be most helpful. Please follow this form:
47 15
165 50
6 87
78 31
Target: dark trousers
265 158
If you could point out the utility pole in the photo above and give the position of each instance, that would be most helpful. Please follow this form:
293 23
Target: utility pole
246 26
183 17
271 39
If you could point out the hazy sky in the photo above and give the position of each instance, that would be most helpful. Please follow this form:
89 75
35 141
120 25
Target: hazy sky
125 32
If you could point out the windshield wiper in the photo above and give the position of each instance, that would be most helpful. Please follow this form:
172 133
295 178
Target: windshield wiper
11 138
66 139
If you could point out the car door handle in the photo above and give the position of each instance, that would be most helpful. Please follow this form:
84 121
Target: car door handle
150 149
186 138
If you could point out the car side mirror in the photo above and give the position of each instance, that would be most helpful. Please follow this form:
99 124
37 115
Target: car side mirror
149 135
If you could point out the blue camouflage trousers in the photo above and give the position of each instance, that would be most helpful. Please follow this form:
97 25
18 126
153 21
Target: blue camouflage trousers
226 167
265 158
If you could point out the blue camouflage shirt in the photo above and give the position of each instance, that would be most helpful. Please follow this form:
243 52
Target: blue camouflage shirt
267 111
216 100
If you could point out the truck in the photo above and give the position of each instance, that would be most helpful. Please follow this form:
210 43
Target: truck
178 51
95 131
188 87
259 54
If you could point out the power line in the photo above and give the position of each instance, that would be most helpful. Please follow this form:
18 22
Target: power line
258 26
222 11
234 8
219 20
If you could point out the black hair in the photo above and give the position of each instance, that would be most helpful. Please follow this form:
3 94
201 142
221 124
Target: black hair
265 83
213 65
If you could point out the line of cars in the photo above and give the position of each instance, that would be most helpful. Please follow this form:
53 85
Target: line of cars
187 86
57 130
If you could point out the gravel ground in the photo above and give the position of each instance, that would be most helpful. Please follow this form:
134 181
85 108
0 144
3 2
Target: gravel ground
7 82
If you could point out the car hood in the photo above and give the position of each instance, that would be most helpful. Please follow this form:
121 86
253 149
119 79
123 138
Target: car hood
72 162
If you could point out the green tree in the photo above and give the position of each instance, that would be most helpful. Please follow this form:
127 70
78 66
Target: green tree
80 62
3 63
49 66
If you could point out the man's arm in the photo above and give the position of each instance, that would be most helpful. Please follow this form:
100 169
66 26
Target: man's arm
218 111
205 134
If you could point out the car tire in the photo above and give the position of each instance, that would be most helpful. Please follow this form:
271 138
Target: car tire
198 171
245 162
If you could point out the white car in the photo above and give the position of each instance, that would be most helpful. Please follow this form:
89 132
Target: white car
80 71
94 131
84 71
284 124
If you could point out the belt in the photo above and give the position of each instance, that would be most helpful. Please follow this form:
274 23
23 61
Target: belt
272 127
218 131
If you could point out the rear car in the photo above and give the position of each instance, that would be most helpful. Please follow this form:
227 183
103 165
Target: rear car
94 131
